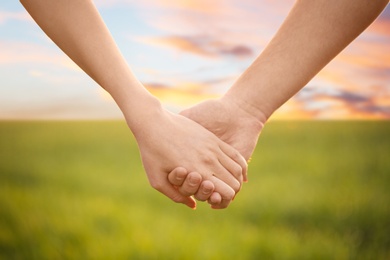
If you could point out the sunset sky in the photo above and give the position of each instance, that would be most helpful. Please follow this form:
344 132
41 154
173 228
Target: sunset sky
184 52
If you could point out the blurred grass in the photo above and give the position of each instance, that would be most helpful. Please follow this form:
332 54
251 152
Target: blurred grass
76 190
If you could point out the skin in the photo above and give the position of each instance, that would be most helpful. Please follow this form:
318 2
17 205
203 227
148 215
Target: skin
165 140
313 34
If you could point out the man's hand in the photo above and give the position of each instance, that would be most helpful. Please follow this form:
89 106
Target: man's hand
229 122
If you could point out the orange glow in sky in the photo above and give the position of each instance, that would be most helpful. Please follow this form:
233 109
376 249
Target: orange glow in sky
185 52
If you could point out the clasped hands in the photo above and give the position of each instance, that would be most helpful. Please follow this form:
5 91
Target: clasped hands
203 151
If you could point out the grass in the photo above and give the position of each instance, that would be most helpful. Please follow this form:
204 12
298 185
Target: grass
76 190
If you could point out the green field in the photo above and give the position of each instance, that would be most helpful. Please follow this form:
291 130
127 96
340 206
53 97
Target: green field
76 190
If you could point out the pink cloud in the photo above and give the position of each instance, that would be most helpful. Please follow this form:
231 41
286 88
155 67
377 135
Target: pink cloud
13 52
19 16
332 103
213 29
202 45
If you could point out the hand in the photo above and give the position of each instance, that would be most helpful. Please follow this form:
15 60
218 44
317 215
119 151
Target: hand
231 124
166 140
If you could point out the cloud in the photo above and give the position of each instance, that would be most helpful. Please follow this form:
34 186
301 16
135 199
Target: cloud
200 6
338 103
385 15
6 16
22 52
201 45
228 28
238 51
362 68
180 96
15 52
368 53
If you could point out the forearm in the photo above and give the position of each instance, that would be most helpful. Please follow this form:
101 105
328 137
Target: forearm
78 29
312 35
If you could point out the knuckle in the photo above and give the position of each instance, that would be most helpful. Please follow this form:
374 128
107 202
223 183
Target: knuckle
208 160
207 187
236 156
228 196
180 174
194 179
204 192
237 170
236 188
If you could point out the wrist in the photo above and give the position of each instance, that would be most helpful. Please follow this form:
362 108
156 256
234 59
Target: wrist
140 113
244 104
137 105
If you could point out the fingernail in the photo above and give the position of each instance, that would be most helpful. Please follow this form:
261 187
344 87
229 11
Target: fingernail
191 206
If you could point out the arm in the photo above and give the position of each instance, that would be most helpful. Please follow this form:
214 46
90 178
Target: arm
165 140
311 36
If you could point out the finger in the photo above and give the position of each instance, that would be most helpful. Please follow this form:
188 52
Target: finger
225 191
191 184
177 176
232 167
205 191
190 202
215 199
171 192
226 177
237 157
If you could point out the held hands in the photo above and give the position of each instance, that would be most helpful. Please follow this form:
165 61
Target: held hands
166 140
206 140
189 184
230 123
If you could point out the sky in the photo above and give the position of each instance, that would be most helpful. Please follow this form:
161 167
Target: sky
184 52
